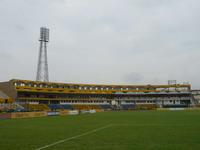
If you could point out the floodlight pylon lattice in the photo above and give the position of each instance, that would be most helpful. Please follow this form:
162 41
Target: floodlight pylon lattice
42 67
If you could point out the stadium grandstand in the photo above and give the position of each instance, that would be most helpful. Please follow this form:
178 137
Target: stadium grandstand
6 103
196 97
37 96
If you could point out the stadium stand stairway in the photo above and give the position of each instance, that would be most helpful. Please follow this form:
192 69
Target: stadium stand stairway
18 107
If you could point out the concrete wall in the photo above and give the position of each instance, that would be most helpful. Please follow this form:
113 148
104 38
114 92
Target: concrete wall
8 89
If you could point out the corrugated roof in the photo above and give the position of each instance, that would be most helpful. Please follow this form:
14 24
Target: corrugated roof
3 95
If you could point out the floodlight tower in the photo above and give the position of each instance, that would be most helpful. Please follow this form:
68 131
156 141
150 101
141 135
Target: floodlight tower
42 68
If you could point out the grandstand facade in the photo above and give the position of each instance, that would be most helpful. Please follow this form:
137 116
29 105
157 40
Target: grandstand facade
48 95
6 103
196 97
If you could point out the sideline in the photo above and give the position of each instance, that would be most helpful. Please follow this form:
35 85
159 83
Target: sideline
74 137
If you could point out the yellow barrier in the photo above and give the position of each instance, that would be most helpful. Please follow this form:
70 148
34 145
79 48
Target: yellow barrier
28 114
64 113
162 109
99 110
39 114
146 106
5 115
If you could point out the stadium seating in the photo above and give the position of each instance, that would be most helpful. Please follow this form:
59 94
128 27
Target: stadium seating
128 106
57 107
105 106
198 105
175 106
145 106
36 107
86 107
7 107
60 107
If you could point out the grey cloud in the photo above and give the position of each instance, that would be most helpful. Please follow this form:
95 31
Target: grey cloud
107 41
134 78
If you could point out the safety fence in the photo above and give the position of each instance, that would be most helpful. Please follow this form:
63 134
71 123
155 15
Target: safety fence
22 115
42 114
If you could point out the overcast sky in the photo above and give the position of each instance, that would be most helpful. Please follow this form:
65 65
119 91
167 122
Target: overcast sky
103 41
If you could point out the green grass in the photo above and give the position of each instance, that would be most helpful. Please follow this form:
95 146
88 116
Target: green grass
130 130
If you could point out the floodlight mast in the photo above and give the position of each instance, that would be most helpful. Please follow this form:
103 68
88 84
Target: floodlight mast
42 67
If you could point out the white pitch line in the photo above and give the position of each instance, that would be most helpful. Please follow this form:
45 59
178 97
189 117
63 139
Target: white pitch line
74 137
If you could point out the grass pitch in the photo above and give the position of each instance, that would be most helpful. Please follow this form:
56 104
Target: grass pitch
105 131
